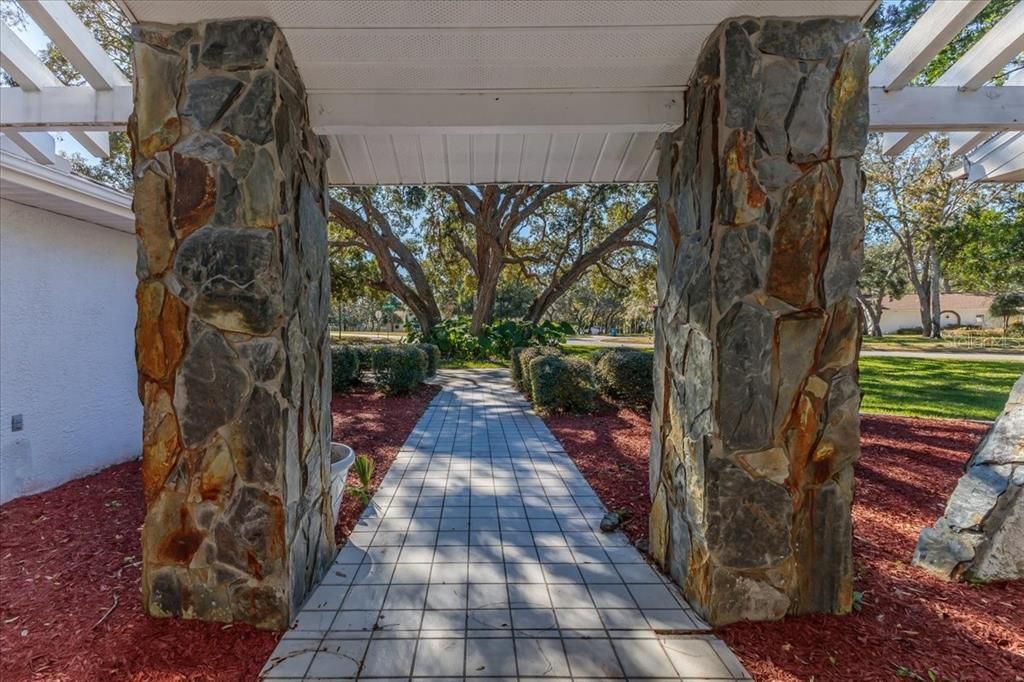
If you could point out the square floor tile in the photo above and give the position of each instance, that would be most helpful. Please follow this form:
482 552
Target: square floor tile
444 619
612 596
447 597
569 596
338 658
439 658
541 657
411 573
633 574
579 619
490 657
364 597
405 597
399 620
695 657
526 596
487 572
488 596
290 659
389 658
349 621
488 619
643 658
449 573
670 619
652 596
592 658
533 619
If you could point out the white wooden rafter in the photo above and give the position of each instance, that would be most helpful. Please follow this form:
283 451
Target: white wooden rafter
42 102
984 60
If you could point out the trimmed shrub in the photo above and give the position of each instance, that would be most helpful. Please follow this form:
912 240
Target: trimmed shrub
344 367
399 369
626 376
365 351
433 357
562 384
521 376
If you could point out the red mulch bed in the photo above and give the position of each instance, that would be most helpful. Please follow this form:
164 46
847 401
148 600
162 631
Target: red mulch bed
67 554
909 620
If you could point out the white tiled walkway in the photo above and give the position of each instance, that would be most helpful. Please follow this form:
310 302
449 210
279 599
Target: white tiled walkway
480 557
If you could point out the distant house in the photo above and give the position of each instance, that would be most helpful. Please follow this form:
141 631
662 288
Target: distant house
957 309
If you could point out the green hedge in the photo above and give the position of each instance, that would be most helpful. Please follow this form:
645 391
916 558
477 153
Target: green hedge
562 384
433 357
365 351
399 369
626 376
344 367
520 360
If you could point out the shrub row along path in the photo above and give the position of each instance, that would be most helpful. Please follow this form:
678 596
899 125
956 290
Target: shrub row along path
480 556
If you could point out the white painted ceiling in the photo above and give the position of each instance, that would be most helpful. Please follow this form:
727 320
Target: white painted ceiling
560 75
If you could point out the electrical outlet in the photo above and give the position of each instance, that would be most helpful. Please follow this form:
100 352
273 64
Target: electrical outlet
17 423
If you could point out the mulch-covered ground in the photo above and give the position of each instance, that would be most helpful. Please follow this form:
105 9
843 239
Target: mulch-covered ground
69 572
911 625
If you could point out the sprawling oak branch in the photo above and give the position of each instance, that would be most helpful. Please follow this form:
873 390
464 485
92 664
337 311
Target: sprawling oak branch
374 233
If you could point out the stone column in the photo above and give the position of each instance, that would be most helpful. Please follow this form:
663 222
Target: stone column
760 240
231 339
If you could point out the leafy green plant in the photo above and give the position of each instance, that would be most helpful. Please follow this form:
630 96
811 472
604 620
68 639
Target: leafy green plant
626 376
363 467
399 369
433 357
455 340
562 384
344 367
522 360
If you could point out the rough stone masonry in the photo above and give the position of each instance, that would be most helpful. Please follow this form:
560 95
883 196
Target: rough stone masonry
760 241
231 339
980 536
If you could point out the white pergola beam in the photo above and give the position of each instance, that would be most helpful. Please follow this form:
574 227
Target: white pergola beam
38 146
925 39
944 109
991 146
1005 159
65 108
989 55
75 42
17 59
476 112
962 142
978 65
97 144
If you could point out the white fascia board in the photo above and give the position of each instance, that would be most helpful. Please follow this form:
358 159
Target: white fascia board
923 41
17 59
944 109
38 146
76 42
48 181
66 108
495 113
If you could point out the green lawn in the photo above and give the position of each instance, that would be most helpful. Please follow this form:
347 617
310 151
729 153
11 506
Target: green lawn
948 389
950 343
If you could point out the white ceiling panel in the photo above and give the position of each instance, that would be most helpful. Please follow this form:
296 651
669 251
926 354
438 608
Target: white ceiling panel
504 13
449 91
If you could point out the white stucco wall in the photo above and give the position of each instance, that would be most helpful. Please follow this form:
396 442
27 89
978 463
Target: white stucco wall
67 356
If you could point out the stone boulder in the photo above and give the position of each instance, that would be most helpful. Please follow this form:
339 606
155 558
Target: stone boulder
980 537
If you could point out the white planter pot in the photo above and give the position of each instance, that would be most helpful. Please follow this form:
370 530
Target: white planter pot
342 457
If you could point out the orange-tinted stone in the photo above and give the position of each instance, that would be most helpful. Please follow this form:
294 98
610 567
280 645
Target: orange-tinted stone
195 195
153 223
149 345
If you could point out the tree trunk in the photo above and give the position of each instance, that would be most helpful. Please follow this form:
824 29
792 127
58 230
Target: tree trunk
936 305
872 315
486 290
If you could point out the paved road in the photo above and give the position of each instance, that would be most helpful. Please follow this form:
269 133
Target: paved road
931 355
479 557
